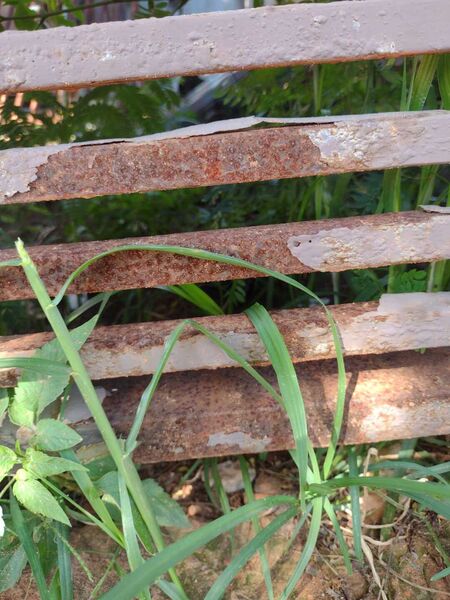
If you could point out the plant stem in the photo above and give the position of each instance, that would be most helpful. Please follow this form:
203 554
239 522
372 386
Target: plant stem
125 465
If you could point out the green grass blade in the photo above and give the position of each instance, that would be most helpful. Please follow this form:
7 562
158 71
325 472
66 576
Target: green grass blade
441 574
14 262
308 549
134 556
356 508
149 391
169 345
219 587
170 590
196 296
339 535
394 484
101 299
132 583
288 383
422 81
299 525
238 262
75 553
26 540
221 495
43 366
257 527
444 80
93 496
64 562
441 508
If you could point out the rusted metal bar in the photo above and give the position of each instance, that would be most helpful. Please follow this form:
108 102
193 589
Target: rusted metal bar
212 413
396 322
328 245
215 154
224 41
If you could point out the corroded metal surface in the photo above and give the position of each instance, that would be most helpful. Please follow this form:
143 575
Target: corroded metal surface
397 396
413 237
316 147
223 41
397 322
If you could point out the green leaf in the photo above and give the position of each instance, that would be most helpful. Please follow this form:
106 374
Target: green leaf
43 465
12 562
132 583
441 574
64 562
288 382
4 402
34 393
8 459
37 499
26 540
410 281
356 509
196 296
167 511
308 549
53 435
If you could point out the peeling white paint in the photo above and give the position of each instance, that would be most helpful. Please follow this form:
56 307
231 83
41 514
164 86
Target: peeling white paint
349 141
433 208
18 167
386 421
415 320
375 141
238 438
343 248
221 41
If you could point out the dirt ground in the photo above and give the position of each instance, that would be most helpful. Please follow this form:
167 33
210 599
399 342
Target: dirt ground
403 564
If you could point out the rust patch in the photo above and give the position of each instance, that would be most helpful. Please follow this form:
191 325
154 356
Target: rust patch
397 322
265 246
396 396
185 158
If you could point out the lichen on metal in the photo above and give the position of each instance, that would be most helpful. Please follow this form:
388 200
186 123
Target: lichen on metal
97 54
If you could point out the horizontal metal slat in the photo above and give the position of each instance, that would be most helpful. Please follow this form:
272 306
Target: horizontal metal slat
397 322
196 156
225 41
393 396
328 245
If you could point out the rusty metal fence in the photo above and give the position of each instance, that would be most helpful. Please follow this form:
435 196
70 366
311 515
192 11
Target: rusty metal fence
393 391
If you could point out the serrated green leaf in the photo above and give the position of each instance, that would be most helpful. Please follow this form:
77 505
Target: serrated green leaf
11 567
167 511
8 459
42 465
410 281
37 499
35 392
12 562
53 436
